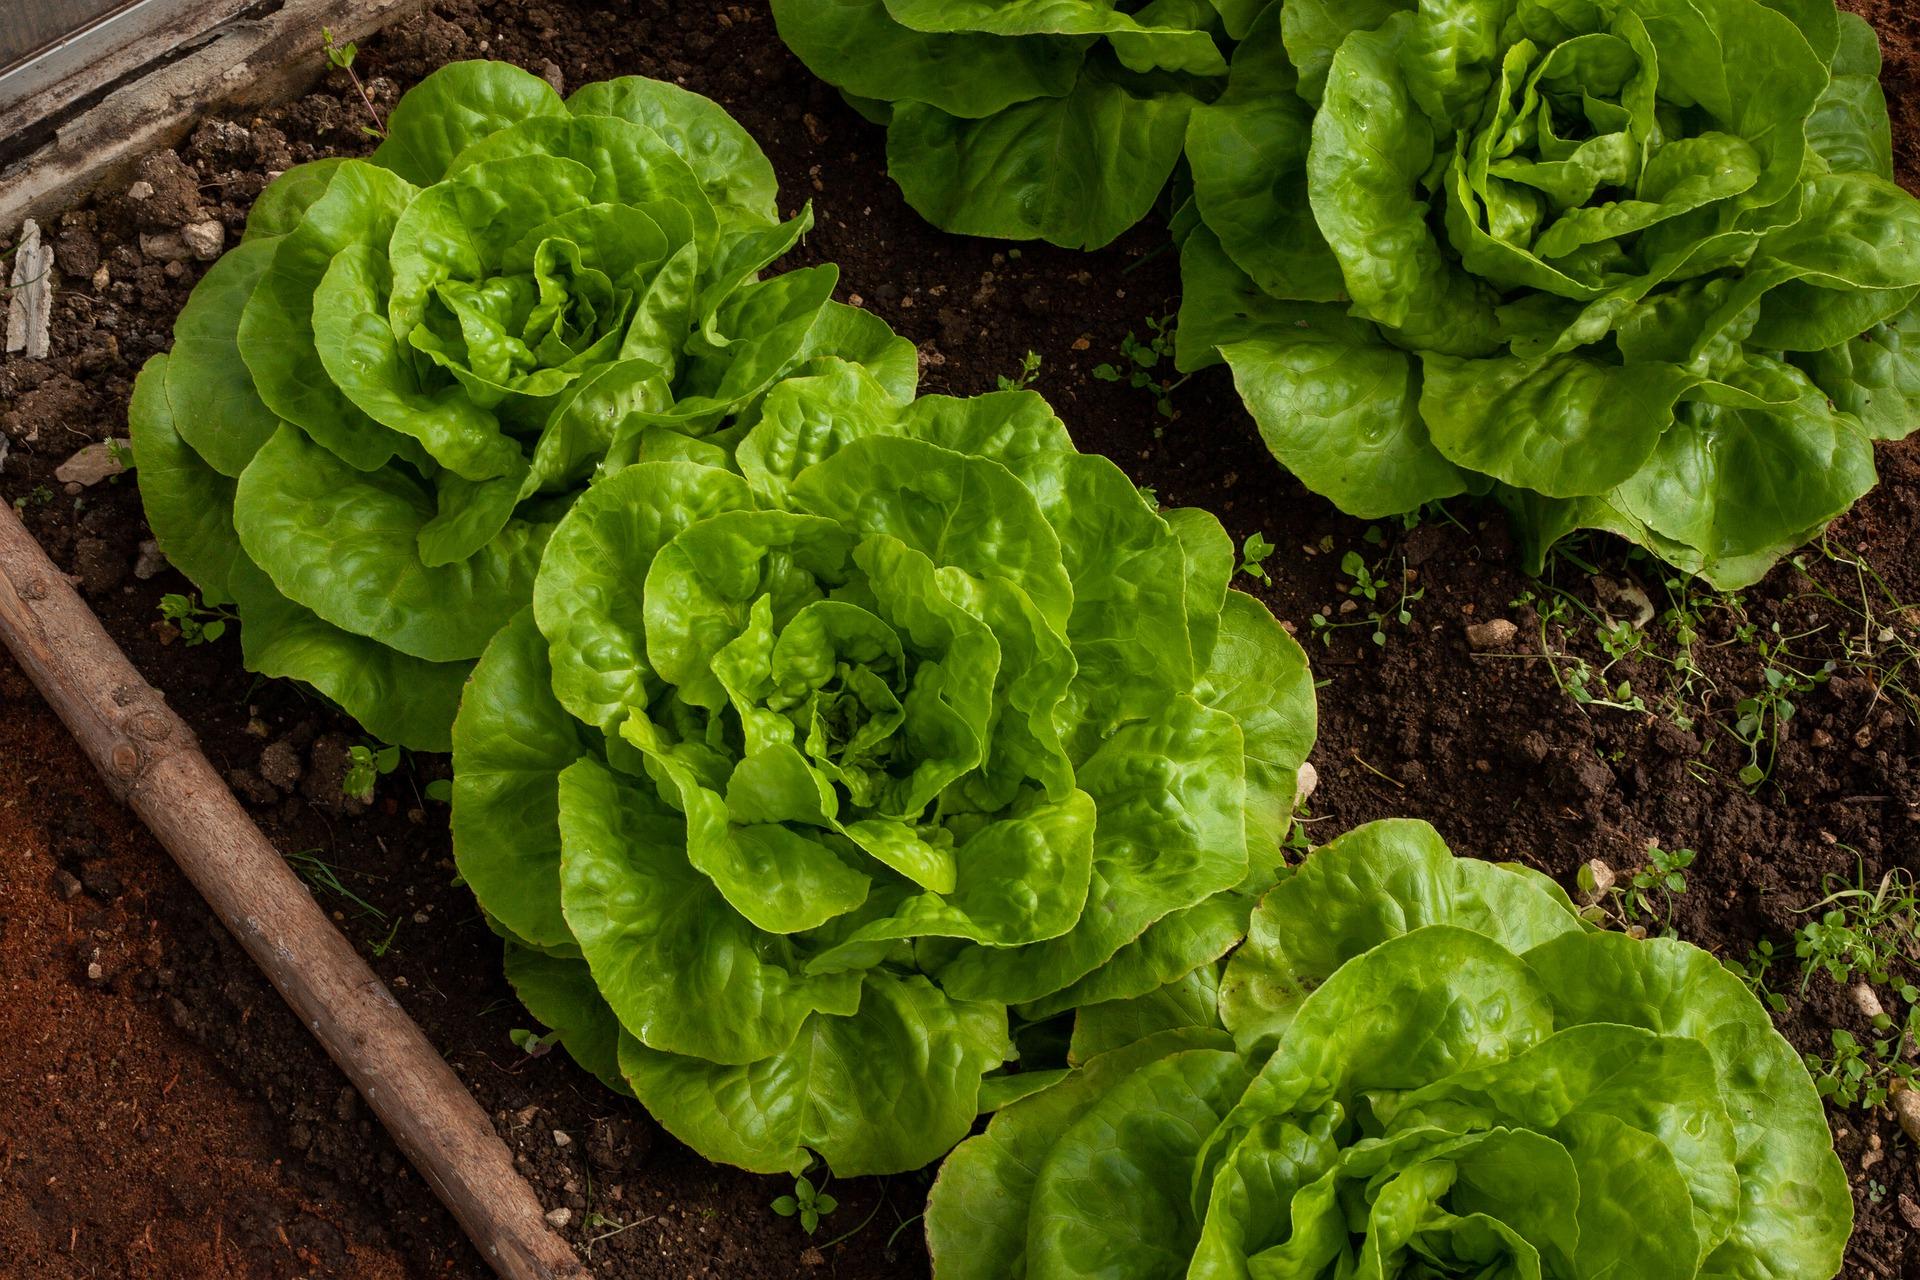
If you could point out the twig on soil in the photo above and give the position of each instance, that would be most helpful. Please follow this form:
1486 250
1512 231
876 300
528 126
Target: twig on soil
587 1245
1378 773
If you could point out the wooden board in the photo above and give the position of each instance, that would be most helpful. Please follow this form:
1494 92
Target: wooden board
58 53
31 26
254 51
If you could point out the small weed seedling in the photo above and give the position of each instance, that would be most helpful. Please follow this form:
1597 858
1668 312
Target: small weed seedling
1384 603
1863 938
1029 371
1754 971
1253 557
1654 887
1862 1075
197 623
1586 684
1647 636
1883 637
122 455
1299 839
533 1043
603 1227
385 944
342 56
1648 893
38 496
1862 933
1143 360
365 766
1761 717
808 1204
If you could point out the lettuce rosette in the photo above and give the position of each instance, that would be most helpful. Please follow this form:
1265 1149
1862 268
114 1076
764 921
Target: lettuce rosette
381 401
800 773
1059 120
1636 265
1417 1066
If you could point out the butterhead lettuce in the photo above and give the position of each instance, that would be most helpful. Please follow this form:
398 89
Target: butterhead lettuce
1636 265
1059 120
1418 1065
803 768
379 404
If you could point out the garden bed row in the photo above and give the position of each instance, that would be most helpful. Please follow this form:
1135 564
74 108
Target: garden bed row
1424 712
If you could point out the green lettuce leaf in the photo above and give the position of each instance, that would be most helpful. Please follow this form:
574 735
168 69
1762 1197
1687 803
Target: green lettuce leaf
411 366
823 748
1437 1068
1059 120
1577 240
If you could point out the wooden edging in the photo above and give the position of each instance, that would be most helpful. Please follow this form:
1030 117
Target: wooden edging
151 761
104 50
243 60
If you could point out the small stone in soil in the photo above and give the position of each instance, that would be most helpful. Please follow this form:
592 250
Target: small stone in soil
1306 781
559 1217
204 239
94 463
151 563
1496 633
67 885
164 246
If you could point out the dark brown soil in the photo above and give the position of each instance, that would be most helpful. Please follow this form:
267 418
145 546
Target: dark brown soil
107 1168
1899 26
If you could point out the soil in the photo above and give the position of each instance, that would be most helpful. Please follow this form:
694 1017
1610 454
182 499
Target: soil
168 1117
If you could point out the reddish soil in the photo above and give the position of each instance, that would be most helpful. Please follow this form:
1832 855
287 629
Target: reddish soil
128 1150
172 1103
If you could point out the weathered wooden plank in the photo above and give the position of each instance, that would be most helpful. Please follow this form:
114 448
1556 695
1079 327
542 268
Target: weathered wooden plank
251 59
32 25
122 38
